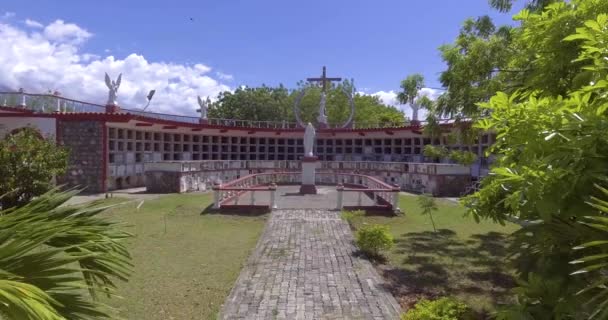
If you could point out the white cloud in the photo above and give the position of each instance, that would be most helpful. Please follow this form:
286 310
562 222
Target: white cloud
390 98
60 31
224 76
52 59
33 24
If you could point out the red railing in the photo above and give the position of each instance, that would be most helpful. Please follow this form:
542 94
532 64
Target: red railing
54 103
383 194
51 103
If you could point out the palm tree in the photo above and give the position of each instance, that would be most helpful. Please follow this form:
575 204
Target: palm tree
410 87
595 262
428 205
55 260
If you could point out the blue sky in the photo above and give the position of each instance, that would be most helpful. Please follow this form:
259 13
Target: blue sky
377 43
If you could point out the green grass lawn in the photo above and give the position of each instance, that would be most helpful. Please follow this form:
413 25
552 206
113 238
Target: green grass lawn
463 259
185 262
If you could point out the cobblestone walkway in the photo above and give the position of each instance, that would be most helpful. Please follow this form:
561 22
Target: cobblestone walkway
304 267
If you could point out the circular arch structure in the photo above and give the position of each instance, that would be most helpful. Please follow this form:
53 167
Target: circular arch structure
347 124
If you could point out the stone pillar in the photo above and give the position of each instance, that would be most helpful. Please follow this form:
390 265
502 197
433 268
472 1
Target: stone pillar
396 199
216 196
23 104
273 193
309 168
252 198
340 189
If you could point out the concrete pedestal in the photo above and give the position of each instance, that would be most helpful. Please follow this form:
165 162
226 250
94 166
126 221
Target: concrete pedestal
309 168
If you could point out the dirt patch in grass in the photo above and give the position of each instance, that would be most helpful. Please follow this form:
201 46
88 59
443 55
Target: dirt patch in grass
185 262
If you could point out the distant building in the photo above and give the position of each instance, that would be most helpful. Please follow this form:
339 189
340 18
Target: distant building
109 146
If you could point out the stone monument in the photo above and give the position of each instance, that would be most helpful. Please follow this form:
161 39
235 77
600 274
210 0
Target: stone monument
203 107
309 162
112 105
324 80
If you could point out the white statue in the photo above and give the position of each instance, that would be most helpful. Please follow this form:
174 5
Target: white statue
203 107
113 88
309 140
322 118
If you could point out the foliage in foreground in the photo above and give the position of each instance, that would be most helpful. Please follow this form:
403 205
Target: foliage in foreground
550 152
596 260
441 309
373 239
29 163
55 260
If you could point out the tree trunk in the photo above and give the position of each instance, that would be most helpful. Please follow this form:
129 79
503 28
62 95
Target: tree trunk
433 222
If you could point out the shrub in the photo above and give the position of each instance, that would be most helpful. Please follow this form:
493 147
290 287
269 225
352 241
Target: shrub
349 216
28 164
440 309
435 152
465 158
373 239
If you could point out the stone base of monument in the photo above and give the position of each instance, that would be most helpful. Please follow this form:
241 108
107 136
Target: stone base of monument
309 168
308 189
110 108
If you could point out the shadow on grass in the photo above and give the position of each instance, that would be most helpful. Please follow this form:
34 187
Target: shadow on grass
248 211
373 258
430 265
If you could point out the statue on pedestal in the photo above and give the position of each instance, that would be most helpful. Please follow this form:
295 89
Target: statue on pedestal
203 108
309 140
113 88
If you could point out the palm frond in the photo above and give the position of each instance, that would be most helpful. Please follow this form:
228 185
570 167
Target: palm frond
595 263
51 255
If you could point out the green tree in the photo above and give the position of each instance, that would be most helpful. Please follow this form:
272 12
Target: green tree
55 260
533 5
277 104
245 103
474 61
551 150
28 164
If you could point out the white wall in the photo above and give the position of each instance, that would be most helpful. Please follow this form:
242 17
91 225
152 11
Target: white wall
46 126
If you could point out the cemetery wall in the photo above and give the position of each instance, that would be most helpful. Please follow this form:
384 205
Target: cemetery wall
187 176
87 165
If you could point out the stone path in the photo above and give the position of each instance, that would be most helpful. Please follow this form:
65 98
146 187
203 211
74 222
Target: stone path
304 267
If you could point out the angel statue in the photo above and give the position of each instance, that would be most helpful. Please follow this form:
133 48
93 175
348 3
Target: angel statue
113 87
203 107
309 140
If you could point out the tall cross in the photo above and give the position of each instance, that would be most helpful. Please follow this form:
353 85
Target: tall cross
324 80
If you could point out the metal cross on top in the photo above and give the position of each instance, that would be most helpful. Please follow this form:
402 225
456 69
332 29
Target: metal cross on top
324 79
